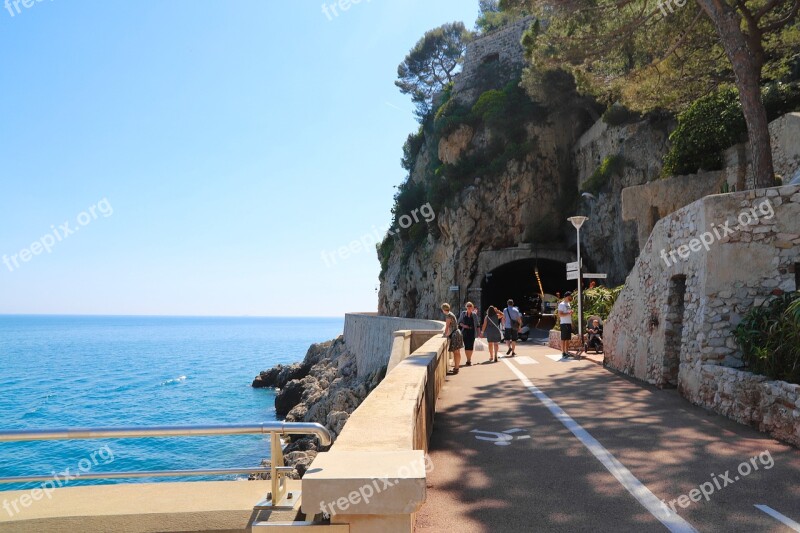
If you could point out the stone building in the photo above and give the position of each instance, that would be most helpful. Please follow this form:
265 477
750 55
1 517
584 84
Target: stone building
702 268
497 57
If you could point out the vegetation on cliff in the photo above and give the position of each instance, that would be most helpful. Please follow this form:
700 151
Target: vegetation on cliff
769 336
715 122
651 55
430 66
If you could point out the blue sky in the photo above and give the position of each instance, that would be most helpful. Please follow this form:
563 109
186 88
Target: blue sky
206 152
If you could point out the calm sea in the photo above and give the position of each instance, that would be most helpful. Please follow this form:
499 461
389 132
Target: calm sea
66 371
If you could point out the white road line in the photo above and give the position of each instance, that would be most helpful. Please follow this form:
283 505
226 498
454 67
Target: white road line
526 360
671 520
785 520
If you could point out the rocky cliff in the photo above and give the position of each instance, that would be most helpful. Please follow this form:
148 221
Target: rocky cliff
502 171
324 388
523 203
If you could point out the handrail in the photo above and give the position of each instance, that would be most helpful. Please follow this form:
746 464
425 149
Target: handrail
282 428
277 470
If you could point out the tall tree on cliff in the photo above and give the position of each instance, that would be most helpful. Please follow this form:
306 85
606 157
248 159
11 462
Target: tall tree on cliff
431 65
666 54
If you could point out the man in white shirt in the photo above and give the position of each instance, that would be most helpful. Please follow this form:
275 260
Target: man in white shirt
512 320
565 320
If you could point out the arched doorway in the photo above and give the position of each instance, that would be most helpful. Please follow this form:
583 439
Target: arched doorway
517 280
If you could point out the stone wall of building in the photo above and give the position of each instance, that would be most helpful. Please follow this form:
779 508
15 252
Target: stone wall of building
500 51
684 297
646 203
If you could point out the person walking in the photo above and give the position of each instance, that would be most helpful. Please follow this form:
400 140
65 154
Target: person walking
565 319
513 321
452 332
469 321
491 331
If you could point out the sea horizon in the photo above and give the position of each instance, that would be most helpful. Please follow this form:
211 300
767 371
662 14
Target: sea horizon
68 371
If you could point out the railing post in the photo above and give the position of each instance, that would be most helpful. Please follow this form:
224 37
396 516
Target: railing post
276 461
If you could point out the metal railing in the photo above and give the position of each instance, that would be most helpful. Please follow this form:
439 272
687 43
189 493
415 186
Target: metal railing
276 430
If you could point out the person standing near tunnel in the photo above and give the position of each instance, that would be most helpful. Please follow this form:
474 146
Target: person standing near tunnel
513 321
451 332
469 322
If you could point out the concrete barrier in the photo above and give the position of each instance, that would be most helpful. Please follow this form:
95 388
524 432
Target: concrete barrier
370 337
381 451
219 506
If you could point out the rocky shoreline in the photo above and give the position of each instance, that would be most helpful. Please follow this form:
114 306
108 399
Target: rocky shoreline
324 388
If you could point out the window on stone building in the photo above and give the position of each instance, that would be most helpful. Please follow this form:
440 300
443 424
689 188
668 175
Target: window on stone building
674 330
491 58
797 276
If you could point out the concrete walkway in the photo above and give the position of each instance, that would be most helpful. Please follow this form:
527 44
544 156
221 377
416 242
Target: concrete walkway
594 451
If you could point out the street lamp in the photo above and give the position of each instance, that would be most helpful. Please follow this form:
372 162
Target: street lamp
579 221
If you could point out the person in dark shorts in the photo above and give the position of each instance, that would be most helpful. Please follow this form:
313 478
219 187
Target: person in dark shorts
512 319
565 321
469 323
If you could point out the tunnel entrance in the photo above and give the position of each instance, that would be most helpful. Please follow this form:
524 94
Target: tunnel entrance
517 280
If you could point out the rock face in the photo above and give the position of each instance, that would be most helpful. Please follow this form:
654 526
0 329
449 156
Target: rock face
324 388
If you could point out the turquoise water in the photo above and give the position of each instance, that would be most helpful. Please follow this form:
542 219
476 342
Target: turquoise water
58 371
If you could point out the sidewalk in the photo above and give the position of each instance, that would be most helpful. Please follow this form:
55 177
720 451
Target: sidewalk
544 478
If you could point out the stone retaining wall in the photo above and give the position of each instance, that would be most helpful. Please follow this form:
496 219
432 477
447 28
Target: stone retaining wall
771 406
555 341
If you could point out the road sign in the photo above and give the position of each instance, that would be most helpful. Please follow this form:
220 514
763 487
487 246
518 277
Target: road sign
595 276
571 267
572 275
454 288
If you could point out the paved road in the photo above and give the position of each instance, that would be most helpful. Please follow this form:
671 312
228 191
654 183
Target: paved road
595 451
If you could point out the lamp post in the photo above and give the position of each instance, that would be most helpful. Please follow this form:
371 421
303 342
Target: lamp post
578 221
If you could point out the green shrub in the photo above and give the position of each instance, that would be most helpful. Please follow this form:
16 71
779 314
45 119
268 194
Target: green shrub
490 105
715 122
410 195
611 165
411 149
769 336
385 252
598 301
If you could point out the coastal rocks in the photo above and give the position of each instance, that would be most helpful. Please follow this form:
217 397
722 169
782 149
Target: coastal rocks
288 397
280 375
326 390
